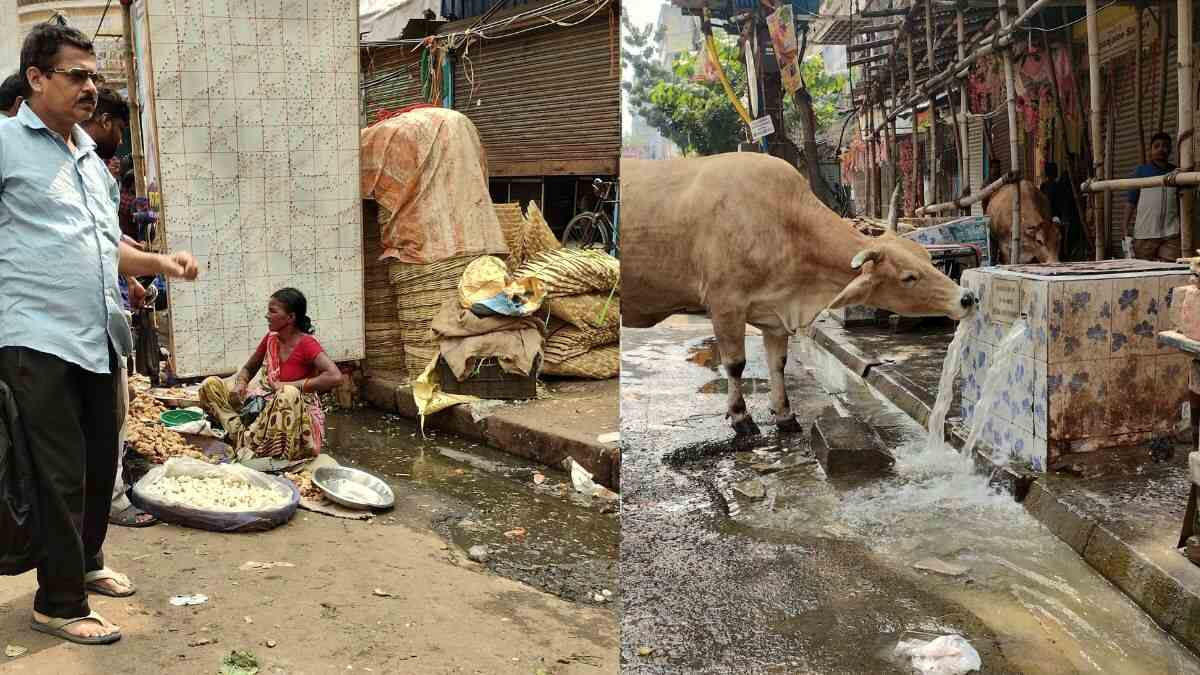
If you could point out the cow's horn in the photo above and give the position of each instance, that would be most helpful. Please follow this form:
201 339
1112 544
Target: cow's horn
864 256
894 211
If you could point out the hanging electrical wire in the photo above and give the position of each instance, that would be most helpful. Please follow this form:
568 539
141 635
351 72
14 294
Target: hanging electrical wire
103 16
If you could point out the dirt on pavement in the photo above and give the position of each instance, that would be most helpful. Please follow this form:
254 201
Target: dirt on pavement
375 597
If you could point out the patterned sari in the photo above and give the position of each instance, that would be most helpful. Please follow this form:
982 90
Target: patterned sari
291 425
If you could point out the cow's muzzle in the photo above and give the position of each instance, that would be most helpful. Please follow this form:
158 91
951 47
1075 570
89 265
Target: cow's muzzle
968 299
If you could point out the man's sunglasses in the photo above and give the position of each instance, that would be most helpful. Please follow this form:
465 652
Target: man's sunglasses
79 75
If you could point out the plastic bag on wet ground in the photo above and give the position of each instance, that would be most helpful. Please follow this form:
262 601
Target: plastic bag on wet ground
946 655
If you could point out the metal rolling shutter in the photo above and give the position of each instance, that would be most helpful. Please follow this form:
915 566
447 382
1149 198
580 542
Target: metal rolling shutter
392 79
975 144
546 102
1126 152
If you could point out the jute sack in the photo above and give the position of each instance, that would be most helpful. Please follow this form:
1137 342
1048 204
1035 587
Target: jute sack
570 342
594 310
570 271
538 235
602 363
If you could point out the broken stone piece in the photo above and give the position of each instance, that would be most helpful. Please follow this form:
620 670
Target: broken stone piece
941 567
478 553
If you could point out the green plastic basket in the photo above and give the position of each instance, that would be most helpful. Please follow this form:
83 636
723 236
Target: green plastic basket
174 418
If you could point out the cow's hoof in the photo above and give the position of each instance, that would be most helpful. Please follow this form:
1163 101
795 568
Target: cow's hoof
789 425
746 427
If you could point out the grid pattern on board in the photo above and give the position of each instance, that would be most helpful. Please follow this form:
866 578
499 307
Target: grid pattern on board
258 142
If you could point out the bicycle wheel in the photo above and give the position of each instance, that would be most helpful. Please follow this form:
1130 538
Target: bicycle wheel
584 231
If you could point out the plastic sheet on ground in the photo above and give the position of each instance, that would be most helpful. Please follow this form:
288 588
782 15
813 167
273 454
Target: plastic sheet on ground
218 521
946 655
429 397
427 168
486 288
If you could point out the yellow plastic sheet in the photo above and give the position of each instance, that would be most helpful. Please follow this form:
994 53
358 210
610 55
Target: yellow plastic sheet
429 397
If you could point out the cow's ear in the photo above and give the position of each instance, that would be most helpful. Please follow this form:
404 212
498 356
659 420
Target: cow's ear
856 292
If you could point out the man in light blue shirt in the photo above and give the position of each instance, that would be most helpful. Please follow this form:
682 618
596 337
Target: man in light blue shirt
63 335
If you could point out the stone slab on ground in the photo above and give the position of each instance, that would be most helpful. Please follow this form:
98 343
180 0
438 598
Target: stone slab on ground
1125 526
846 445
568 424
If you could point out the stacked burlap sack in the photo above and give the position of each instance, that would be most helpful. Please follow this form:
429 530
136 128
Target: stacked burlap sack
582 291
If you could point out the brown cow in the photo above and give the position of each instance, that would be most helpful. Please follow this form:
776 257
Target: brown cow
1040 235
742 236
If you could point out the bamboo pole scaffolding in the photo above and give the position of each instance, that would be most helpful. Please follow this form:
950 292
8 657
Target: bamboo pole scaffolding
1061 118
1186 113
912 136
963 134
1137 87
969 200
1093 39
1014 146
135 107
932 197
1173 179
998 41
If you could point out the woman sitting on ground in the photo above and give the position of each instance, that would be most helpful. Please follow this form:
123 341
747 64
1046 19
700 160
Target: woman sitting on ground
291 425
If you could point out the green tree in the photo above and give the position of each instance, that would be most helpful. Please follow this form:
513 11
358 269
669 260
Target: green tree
696 116
826 91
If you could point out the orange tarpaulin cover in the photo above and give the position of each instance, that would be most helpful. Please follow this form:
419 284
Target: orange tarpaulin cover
428 169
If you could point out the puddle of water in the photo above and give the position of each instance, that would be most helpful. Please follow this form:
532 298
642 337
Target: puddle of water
475 495
705 354
750 385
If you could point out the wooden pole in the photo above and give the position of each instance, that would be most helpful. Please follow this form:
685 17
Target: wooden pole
1137 88
1163 36
1110 141
912 87
890 127
1061 117
1093 43
1173 179
964 137
872 188
1186 112
1014 147
969 200
933 132
135 107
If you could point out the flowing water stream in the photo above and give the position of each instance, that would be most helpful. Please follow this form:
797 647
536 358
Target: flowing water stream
1050 609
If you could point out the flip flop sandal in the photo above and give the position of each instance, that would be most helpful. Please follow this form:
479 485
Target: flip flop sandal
91 578
58 629
130 517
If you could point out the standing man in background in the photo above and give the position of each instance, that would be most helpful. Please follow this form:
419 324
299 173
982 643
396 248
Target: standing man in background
1154 212
12 94
107 127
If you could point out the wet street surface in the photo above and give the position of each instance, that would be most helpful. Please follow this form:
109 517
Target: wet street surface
535 527
730 567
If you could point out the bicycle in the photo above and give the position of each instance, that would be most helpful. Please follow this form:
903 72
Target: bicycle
593 229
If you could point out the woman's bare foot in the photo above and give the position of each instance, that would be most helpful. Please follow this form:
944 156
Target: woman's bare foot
86 628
